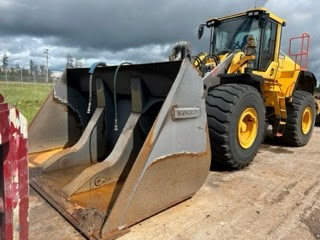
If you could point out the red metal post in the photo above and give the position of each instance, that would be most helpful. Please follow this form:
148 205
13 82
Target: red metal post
14 184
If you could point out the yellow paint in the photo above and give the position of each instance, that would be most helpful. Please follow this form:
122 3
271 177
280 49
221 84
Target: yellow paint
317 106
306 120
247 128
280 77
38 158
223 57
238 63
200 57
199 61
98 198
272 16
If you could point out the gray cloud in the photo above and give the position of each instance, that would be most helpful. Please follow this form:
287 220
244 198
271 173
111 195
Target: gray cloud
112 25
301 16
139 31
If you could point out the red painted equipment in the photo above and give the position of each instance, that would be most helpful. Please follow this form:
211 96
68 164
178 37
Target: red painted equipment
14 190
300 57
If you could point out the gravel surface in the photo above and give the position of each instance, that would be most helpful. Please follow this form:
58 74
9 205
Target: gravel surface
276 197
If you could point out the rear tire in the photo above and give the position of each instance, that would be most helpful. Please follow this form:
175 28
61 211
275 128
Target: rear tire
300 120
318 115
236 120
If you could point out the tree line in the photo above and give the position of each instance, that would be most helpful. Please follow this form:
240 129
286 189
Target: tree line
73 62
32 69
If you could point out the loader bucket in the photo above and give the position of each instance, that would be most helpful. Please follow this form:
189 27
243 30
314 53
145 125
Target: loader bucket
141 147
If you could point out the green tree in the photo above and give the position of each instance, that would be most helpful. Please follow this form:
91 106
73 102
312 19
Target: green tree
70 61
42 69
5 60
78 63
32 67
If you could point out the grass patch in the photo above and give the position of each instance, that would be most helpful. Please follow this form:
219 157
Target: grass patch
28 98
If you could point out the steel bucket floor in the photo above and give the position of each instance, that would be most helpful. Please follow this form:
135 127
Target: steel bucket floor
85 210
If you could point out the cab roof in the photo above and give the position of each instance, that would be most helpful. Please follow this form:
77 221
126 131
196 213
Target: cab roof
271 15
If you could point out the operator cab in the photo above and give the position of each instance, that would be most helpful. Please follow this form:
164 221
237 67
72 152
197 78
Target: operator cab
229 34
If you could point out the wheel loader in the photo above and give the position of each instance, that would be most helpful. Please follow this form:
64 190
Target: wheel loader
114 145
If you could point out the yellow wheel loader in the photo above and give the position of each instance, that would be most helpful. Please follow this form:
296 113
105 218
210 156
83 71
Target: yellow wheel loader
114 145
250 83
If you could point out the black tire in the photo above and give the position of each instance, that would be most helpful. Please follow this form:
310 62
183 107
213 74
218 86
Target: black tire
225 104
293 135
265 131
318 115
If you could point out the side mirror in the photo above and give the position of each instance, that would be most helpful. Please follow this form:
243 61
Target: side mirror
200 31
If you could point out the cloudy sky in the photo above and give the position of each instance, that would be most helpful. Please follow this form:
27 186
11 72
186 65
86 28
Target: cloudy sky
132 30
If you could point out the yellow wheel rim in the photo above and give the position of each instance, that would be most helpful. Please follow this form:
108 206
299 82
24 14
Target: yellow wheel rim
247 128
306 122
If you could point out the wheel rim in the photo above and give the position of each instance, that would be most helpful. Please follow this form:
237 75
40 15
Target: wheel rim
306 122
247 128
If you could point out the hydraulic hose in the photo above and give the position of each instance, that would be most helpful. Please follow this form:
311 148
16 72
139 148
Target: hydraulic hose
115 94
91 72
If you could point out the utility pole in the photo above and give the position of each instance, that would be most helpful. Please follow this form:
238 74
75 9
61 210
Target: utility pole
6 76
46 54
21 71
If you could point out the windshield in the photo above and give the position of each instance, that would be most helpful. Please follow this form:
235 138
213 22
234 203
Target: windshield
232 34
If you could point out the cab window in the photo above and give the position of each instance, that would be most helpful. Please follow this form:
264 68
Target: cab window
268 45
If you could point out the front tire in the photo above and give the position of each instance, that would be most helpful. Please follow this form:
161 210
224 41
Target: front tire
236 120
300 120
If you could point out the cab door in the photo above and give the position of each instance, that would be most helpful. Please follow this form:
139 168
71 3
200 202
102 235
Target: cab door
269 50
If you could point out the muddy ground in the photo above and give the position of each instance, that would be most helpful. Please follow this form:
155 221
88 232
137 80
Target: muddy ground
276 197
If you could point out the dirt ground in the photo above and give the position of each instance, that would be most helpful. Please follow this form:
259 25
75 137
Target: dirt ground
276 197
